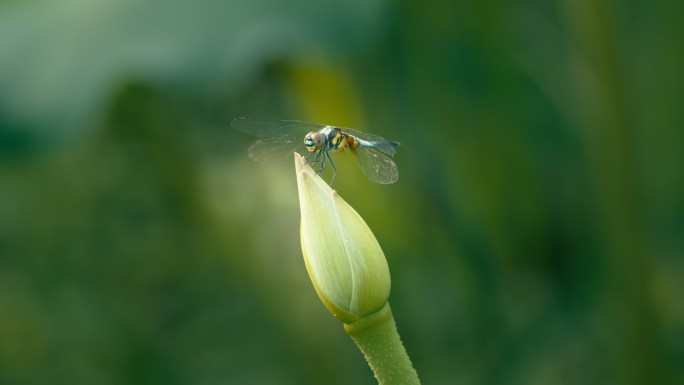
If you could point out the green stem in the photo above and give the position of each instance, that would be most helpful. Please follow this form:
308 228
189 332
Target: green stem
377 337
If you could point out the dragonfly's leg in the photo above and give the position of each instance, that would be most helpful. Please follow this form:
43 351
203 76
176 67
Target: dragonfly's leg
317 158
333 167
323 165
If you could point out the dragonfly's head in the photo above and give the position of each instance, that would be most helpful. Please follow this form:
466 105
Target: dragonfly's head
314 140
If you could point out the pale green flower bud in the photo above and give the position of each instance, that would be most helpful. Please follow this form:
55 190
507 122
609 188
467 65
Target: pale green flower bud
344 260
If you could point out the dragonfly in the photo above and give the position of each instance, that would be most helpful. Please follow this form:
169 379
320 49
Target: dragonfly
277 140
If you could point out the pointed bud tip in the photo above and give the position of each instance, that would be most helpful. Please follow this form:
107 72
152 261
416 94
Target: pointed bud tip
298 161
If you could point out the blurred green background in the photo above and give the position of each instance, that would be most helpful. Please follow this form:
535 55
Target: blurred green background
535 235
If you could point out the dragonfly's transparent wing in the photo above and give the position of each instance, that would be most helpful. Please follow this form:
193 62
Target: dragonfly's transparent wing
277 139
277 151
273 128
380 143
377 166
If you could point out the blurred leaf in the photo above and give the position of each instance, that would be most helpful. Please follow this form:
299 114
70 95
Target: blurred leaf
62 59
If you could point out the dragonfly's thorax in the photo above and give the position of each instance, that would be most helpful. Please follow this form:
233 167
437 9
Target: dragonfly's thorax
328 138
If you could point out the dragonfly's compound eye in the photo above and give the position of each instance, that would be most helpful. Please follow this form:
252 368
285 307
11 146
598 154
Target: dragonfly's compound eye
313 140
